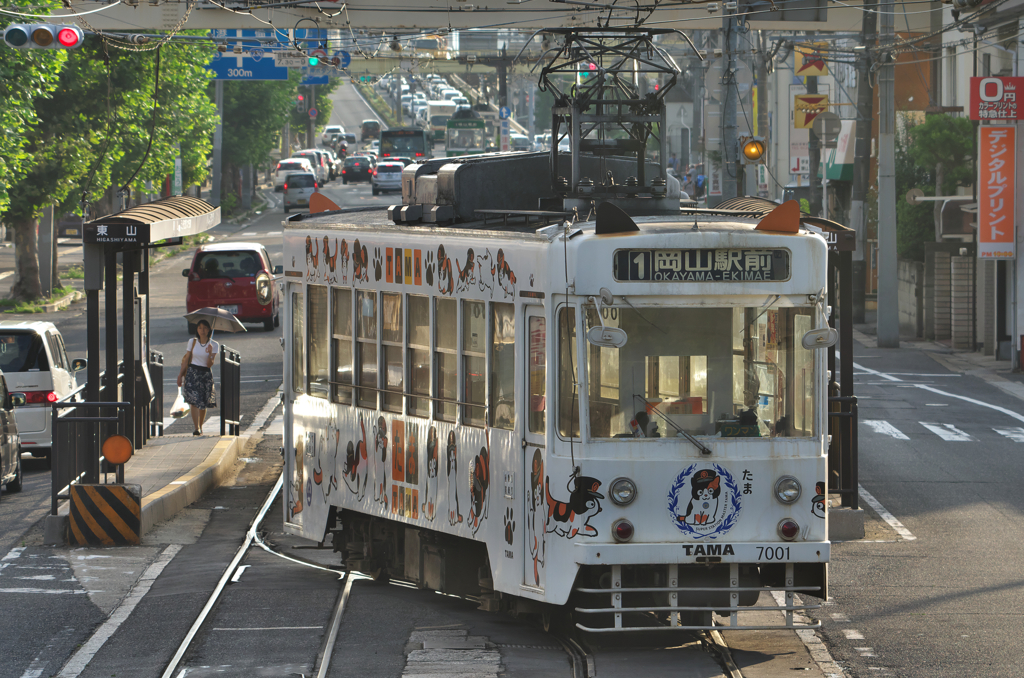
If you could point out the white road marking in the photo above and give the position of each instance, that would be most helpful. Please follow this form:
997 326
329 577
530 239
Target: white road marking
947 432
1014 434
6 274
885 428
38 665
1011 413
853 634
81 659
819 653
840 618
43 591
865 651
896 525
238 572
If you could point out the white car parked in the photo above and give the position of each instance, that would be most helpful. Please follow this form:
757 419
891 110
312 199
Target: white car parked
35 362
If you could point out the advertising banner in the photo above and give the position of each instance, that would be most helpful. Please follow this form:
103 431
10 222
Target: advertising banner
996 99
997 176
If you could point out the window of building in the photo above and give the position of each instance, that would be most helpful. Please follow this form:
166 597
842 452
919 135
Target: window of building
419 355
446 332
366 343
568 395
474 338
342 334
503 373
392 337
317 371
298 342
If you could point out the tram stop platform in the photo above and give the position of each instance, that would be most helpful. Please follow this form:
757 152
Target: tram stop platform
173 471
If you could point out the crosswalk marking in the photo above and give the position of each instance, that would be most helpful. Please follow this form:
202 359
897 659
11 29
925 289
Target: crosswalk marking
1016 434
947 432
885 428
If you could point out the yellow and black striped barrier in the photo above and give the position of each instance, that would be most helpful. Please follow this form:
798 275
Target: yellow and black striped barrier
105 515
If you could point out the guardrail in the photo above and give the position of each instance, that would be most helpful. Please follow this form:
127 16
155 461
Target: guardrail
77 436
230 397
842 450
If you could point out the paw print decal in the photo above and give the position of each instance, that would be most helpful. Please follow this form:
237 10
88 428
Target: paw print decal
378 263
510 526
429 268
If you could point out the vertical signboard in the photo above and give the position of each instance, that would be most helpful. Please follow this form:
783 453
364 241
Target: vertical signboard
997 176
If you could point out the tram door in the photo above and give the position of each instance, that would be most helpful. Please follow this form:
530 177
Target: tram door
534 453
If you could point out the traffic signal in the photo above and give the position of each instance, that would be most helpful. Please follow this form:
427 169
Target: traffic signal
753 149
300 104
43 36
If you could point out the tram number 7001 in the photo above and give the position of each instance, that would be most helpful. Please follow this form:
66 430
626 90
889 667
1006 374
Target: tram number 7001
773 553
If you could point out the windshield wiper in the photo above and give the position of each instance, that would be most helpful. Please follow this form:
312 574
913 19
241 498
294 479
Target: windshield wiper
704 449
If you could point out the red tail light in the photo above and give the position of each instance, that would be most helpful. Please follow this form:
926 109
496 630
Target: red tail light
419 155
374 172
278 167
344 171
386 154
40 397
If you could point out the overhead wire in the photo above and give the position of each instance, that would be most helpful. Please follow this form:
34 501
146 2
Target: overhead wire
60 16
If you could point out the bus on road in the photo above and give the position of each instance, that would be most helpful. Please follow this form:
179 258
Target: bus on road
409 142
437 115
465 136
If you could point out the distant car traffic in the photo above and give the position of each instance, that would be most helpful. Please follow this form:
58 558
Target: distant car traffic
387 176
330 131
357 168
34 361
370 129
237 277
298 188
290 166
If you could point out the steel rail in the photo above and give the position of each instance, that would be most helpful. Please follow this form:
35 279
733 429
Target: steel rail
250 535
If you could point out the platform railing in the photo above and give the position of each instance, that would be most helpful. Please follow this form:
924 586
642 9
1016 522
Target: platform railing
229 400
77 431
843 450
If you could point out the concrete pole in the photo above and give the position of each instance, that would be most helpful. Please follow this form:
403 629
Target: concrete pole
697 129
218 144
310 123
814 155
888 294
730 164
861 163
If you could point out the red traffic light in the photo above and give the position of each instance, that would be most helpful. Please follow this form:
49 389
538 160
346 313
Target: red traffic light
70 36
302 97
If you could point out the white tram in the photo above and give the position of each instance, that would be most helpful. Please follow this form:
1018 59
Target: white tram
622 422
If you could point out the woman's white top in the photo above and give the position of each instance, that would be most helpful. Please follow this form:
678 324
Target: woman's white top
199 354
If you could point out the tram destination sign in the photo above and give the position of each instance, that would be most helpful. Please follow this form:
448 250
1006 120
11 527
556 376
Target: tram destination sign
704 265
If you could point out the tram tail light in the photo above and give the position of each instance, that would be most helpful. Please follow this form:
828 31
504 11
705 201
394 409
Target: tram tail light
622 529
789 529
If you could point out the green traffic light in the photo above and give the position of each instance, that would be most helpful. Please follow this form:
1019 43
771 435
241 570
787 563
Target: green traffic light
16 36
313 61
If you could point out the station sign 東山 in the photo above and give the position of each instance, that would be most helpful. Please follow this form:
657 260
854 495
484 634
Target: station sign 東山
996 99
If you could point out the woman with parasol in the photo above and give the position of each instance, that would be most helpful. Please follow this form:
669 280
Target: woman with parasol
196 376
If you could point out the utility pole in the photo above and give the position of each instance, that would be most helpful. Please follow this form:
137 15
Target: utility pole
761 124
730 156
862 162
814 155
888 296
696 130
310 123
218 144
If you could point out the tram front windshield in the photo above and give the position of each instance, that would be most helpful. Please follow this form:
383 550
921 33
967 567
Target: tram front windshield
729 372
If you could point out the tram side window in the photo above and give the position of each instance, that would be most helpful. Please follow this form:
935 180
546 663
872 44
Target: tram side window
419 355
342 331
538 374
366 344
298 343
503 373
568 395
319 344
474 337
391 339
446 324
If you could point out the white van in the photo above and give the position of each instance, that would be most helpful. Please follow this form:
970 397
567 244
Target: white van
35 362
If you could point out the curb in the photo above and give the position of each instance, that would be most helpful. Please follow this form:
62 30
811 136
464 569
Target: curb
63 302
166 502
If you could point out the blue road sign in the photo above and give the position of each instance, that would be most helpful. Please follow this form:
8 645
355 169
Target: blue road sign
313 113
255 65
316 75
346 58
504 113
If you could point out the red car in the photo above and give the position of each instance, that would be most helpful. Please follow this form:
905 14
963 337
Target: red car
237 277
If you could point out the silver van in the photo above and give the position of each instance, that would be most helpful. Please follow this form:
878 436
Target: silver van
34 362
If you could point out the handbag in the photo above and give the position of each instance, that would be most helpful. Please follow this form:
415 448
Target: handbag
186 360
212 404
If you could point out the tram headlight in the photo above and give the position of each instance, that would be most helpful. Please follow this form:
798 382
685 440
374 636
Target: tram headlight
623 491
788 529
622 530
787 489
